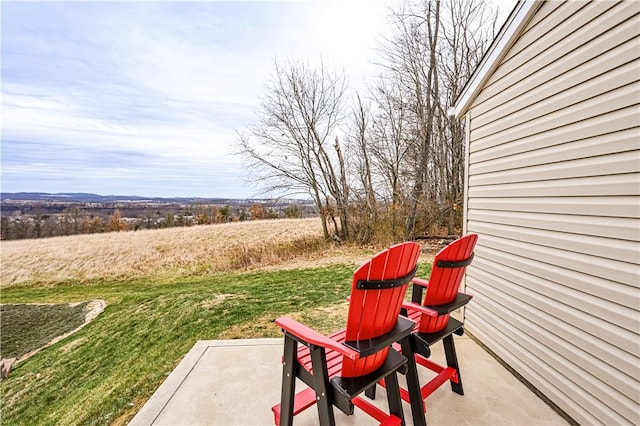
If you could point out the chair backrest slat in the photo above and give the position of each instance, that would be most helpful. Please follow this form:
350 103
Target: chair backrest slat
445 282
374 312
449 266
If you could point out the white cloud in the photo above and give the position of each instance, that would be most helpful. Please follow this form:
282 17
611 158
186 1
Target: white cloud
135 95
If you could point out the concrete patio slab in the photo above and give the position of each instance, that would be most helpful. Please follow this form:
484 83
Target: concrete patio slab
236 382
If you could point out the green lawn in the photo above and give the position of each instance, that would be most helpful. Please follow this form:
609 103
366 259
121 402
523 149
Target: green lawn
106 371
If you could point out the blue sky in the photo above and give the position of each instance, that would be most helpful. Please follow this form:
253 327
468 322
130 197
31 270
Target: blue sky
144 98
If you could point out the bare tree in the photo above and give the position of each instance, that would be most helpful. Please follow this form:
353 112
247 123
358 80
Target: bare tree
363 204
389 147
288 151
468 28
410 58
402 158
431 54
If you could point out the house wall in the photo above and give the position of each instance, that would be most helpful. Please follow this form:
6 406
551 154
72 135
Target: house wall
554 193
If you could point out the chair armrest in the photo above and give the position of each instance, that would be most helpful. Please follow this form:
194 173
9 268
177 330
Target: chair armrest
307 335
412 306
417 289
402 329
421 282
435 310
460 300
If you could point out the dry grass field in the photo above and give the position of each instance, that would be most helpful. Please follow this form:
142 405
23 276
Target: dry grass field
171 253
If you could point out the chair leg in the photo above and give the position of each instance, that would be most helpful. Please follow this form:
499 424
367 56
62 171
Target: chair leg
413 385
321 386
452 361
371 392
288 382
393 396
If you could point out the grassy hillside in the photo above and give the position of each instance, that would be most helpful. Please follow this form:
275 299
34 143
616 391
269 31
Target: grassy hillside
164 291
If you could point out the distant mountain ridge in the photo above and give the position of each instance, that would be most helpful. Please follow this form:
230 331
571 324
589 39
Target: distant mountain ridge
82 197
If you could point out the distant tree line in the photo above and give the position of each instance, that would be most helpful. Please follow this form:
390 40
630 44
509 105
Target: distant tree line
388 164
77 220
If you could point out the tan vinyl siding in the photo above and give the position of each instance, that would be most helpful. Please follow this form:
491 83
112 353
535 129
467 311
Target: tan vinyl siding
622 98
553 191
600 206
563 43
610 122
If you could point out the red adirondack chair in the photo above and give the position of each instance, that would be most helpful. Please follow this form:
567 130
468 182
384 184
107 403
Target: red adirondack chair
339 367
431 314
433 322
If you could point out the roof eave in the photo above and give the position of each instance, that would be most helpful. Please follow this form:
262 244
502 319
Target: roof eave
508 34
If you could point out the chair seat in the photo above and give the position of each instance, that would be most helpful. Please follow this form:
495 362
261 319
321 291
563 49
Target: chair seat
346 389
306 398
427 339
334 361
334 358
